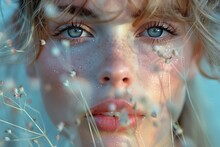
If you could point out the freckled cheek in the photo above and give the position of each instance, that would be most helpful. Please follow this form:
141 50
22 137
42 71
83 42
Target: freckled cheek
158 76
80 59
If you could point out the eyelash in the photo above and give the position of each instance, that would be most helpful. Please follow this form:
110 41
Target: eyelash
167 27
161 25
75 25
153 40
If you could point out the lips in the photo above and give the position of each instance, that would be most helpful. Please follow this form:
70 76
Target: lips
116 115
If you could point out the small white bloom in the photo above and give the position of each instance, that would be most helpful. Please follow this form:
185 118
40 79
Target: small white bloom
72 73
60 126
8 131
66 83
175 53
42 42
156 48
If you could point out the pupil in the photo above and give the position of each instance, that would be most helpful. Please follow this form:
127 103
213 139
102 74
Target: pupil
155 32
75 32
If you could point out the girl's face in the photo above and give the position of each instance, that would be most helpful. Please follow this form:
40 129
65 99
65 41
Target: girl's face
122 81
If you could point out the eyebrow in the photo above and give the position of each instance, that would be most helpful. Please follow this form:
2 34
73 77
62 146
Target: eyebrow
84 12
79 11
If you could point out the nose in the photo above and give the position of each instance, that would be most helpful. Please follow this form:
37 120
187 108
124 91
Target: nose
116 75
116 70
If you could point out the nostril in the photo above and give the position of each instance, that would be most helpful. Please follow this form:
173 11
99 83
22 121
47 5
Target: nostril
106 79
125 80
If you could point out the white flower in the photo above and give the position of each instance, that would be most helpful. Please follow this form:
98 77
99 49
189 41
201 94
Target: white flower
60 126
42 42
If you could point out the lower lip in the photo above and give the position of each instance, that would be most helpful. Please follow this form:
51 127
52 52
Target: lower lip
112 124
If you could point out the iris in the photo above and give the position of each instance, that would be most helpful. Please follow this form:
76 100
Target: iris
154 32
75 32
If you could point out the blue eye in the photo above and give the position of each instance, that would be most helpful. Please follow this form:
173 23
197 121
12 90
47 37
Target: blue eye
74 32
155 32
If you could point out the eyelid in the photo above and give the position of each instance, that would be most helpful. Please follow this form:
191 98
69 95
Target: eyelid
171 29
159 24
79 25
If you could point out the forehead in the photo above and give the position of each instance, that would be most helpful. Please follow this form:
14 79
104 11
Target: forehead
101 7
106 5
102 10
149 6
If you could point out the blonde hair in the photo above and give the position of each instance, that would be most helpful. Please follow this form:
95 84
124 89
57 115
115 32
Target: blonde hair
202 15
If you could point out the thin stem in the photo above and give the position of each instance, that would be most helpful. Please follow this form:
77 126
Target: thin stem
3 121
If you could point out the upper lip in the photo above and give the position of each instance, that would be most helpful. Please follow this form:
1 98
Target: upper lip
120 104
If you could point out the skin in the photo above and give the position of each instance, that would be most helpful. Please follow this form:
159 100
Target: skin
115 56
